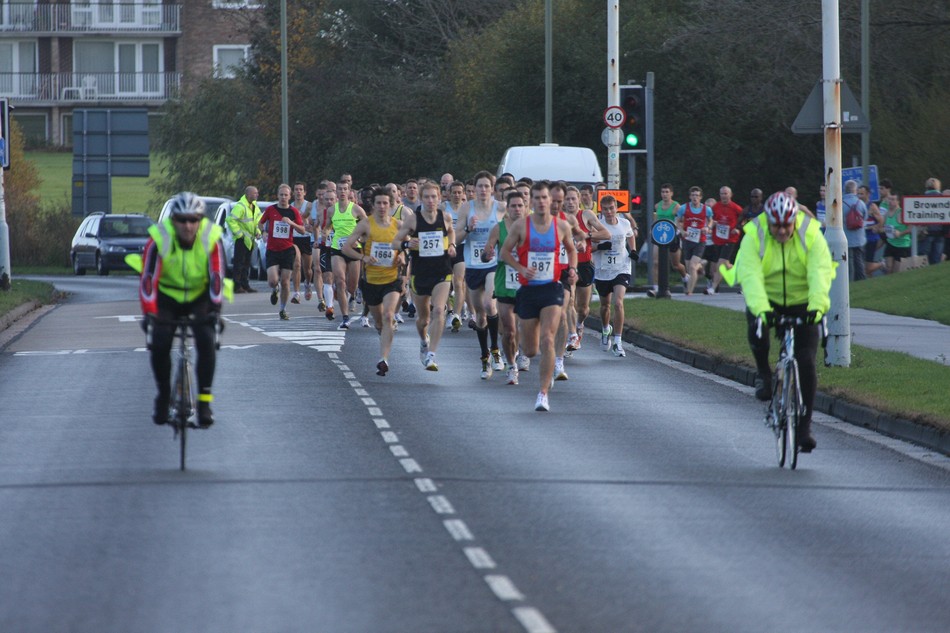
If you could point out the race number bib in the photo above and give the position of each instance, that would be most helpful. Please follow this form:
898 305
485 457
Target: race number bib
543 266
562 255
431 244
281 229
477 249
612 258
382 252
511 278
693 233
722 231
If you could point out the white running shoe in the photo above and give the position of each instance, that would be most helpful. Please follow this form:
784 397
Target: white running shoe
559 371
486 369
364 321
496 363
541 404
424 350
512 378
605 338
430 362
398 318
617 350
523 362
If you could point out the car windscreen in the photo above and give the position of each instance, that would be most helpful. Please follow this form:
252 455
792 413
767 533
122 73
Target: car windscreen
124 227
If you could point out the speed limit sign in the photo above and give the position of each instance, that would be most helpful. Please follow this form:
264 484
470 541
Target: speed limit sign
614 116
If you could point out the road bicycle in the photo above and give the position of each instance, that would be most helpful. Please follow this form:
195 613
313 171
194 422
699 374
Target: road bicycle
785 408
183 407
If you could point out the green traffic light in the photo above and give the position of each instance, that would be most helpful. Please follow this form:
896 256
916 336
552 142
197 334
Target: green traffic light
632 140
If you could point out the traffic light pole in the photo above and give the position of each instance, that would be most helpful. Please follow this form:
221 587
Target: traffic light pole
613 91
648 221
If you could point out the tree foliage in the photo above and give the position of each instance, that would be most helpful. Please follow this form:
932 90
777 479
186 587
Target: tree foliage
389 89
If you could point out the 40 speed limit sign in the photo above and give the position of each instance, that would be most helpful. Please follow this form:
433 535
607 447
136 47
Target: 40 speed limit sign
614 116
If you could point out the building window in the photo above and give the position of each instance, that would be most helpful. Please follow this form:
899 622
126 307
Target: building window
236 4
229 59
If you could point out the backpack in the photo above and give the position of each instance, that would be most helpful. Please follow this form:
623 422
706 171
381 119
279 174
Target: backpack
853 220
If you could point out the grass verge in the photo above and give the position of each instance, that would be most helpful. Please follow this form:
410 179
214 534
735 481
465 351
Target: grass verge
22 291
891 382
923 293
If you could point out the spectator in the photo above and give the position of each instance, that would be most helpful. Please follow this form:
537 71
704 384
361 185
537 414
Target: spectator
897 235
873 230
930 239
856 237
820 210
754 209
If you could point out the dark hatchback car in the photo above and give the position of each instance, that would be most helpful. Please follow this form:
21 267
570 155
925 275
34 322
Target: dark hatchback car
103 240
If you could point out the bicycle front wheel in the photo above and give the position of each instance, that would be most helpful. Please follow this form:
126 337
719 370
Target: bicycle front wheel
793 408
777 409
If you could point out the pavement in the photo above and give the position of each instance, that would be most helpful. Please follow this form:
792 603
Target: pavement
929 340
921 338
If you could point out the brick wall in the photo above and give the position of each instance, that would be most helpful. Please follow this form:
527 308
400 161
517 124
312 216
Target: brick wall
203 27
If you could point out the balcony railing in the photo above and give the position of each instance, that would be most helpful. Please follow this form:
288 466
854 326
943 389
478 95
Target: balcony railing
71 88
90 18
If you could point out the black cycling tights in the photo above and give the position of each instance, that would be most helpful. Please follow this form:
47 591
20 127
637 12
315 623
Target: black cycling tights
806 350
163 336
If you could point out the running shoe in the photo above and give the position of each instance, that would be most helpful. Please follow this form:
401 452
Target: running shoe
559 371
541 404
710 291
322 306
652 292
512 377
411 312
308 293
352 305
359 296
344 324
405 305
430 362
456 323
685 279
523 362
364 321
568 353
486 369
273 297
471 323
283 316
398 318
382 367
295 298
329 314
424 350
617 350
605 338
496 363
572 343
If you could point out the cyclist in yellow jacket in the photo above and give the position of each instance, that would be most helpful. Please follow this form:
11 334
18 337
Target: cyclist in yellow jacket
785 267
183 276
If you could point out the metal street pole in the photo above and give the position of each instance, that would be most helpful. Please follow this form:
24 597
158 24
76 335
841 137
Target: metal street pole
5 273
839 317
284 118
613 91
548 71
866 88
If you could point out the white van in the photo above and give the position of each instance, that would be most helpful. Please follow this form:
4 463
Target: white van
550 161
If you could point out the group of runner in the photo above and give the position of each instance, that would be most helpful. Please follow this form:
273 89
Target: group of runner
519 258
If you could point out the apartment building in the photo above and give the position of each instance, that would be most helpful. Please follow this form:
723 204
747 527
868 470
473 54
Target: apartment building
58 55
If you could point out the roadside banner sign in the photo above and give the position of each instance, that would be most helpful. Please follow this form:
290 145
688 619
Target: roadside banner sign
622 196
926 210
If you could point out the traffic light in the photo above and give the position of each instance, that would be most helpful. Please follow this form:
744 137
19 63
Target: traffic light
633 137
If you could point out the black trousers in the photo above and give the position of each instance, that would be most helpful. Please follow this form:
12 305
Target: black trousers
241 266
807 338
163 335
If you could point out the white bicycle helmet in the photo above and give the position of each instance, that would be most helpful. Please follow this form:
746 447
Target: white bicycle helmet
780 208
187 203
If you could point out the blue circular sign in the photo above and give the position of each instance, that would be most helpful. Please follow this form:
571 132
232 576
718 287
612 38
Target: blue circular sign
663 232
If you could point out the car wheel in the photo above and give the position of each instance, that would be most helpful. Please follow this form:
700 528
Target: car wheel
101 266
77 267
